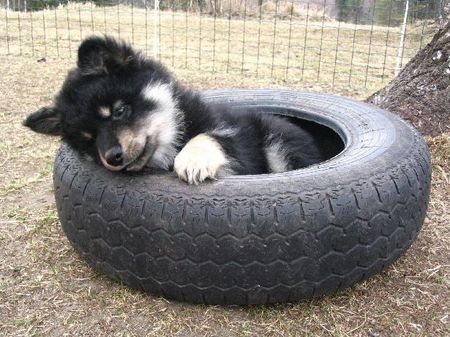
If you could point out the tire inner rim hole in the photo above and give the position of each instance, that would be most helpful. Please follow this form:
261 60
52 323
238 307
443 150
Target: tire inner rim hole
330 142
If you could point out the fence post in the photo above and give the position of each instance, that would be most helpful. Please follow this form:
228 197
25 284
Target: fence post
155 30
398 66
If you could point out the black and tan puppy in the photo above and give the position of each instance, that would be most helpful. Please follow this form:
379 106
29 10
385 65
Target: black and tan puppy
128 112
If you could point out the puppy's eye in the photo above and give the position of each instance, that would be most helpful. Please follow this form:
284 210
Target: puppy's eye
121 111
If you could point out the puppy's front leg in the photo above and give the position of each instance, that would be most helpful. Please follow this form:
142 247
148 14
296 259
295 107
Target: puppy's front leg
201 158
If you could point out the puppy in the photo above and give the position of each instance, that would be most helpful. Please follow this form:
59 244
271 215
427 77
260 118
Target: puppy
128 112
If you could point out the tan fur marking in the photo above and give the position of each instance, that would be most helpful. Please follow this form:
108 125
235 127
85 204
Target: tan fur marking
201 158
125 137
104 112
87 135
131 142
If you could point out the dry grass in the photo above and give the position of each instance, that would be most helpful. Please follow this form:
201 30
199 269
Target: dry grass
306 49
46 290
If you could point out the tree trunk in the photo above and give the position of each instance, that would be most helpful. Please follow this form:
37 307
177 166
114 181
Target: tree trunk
421 92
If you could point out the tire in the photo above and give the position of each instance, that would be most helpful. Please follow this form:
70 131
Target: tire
256 239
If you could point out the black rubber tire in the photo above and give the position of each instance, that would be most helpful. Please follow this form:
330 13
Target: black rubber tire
256 239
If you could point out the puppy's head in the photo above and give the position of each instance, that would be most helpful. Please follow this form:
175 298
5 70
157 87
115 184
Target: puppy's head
116 106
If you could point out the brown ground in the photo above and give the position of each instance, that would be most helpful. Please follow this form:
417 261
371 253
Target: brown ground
307 49
46 290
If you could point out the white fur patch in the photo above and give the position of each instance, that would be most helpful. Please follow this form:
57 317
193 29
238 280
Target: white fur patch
276 157
201 158
224 131
161 93
104 112
164 123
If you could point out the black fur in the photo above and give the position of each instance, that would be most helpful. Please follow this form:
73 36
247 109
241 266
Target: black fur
109 70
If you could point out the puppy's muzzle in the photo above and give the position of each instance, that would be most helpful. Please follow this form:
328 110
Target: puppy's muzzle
113 158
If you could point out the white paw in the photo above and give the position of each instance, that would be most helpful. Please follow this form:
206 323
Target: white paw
200 159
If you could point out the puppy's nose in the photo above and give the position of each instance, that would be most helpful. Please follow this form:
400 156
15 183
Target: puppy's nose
114 156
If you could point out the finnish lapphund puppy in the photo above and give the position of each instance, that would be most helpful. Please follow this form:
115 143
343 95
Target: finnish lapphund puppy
128 113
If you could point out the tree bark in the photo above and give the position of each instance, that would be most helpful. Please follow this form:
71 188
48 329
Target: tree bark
421 92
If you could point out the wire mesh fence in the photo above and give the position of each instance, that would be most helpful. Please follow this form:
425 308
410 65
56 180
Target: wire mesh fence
346 42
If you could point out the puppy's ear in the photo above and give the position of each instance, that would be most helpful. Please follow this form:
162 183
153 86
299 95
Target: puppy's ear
46 120
103 55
